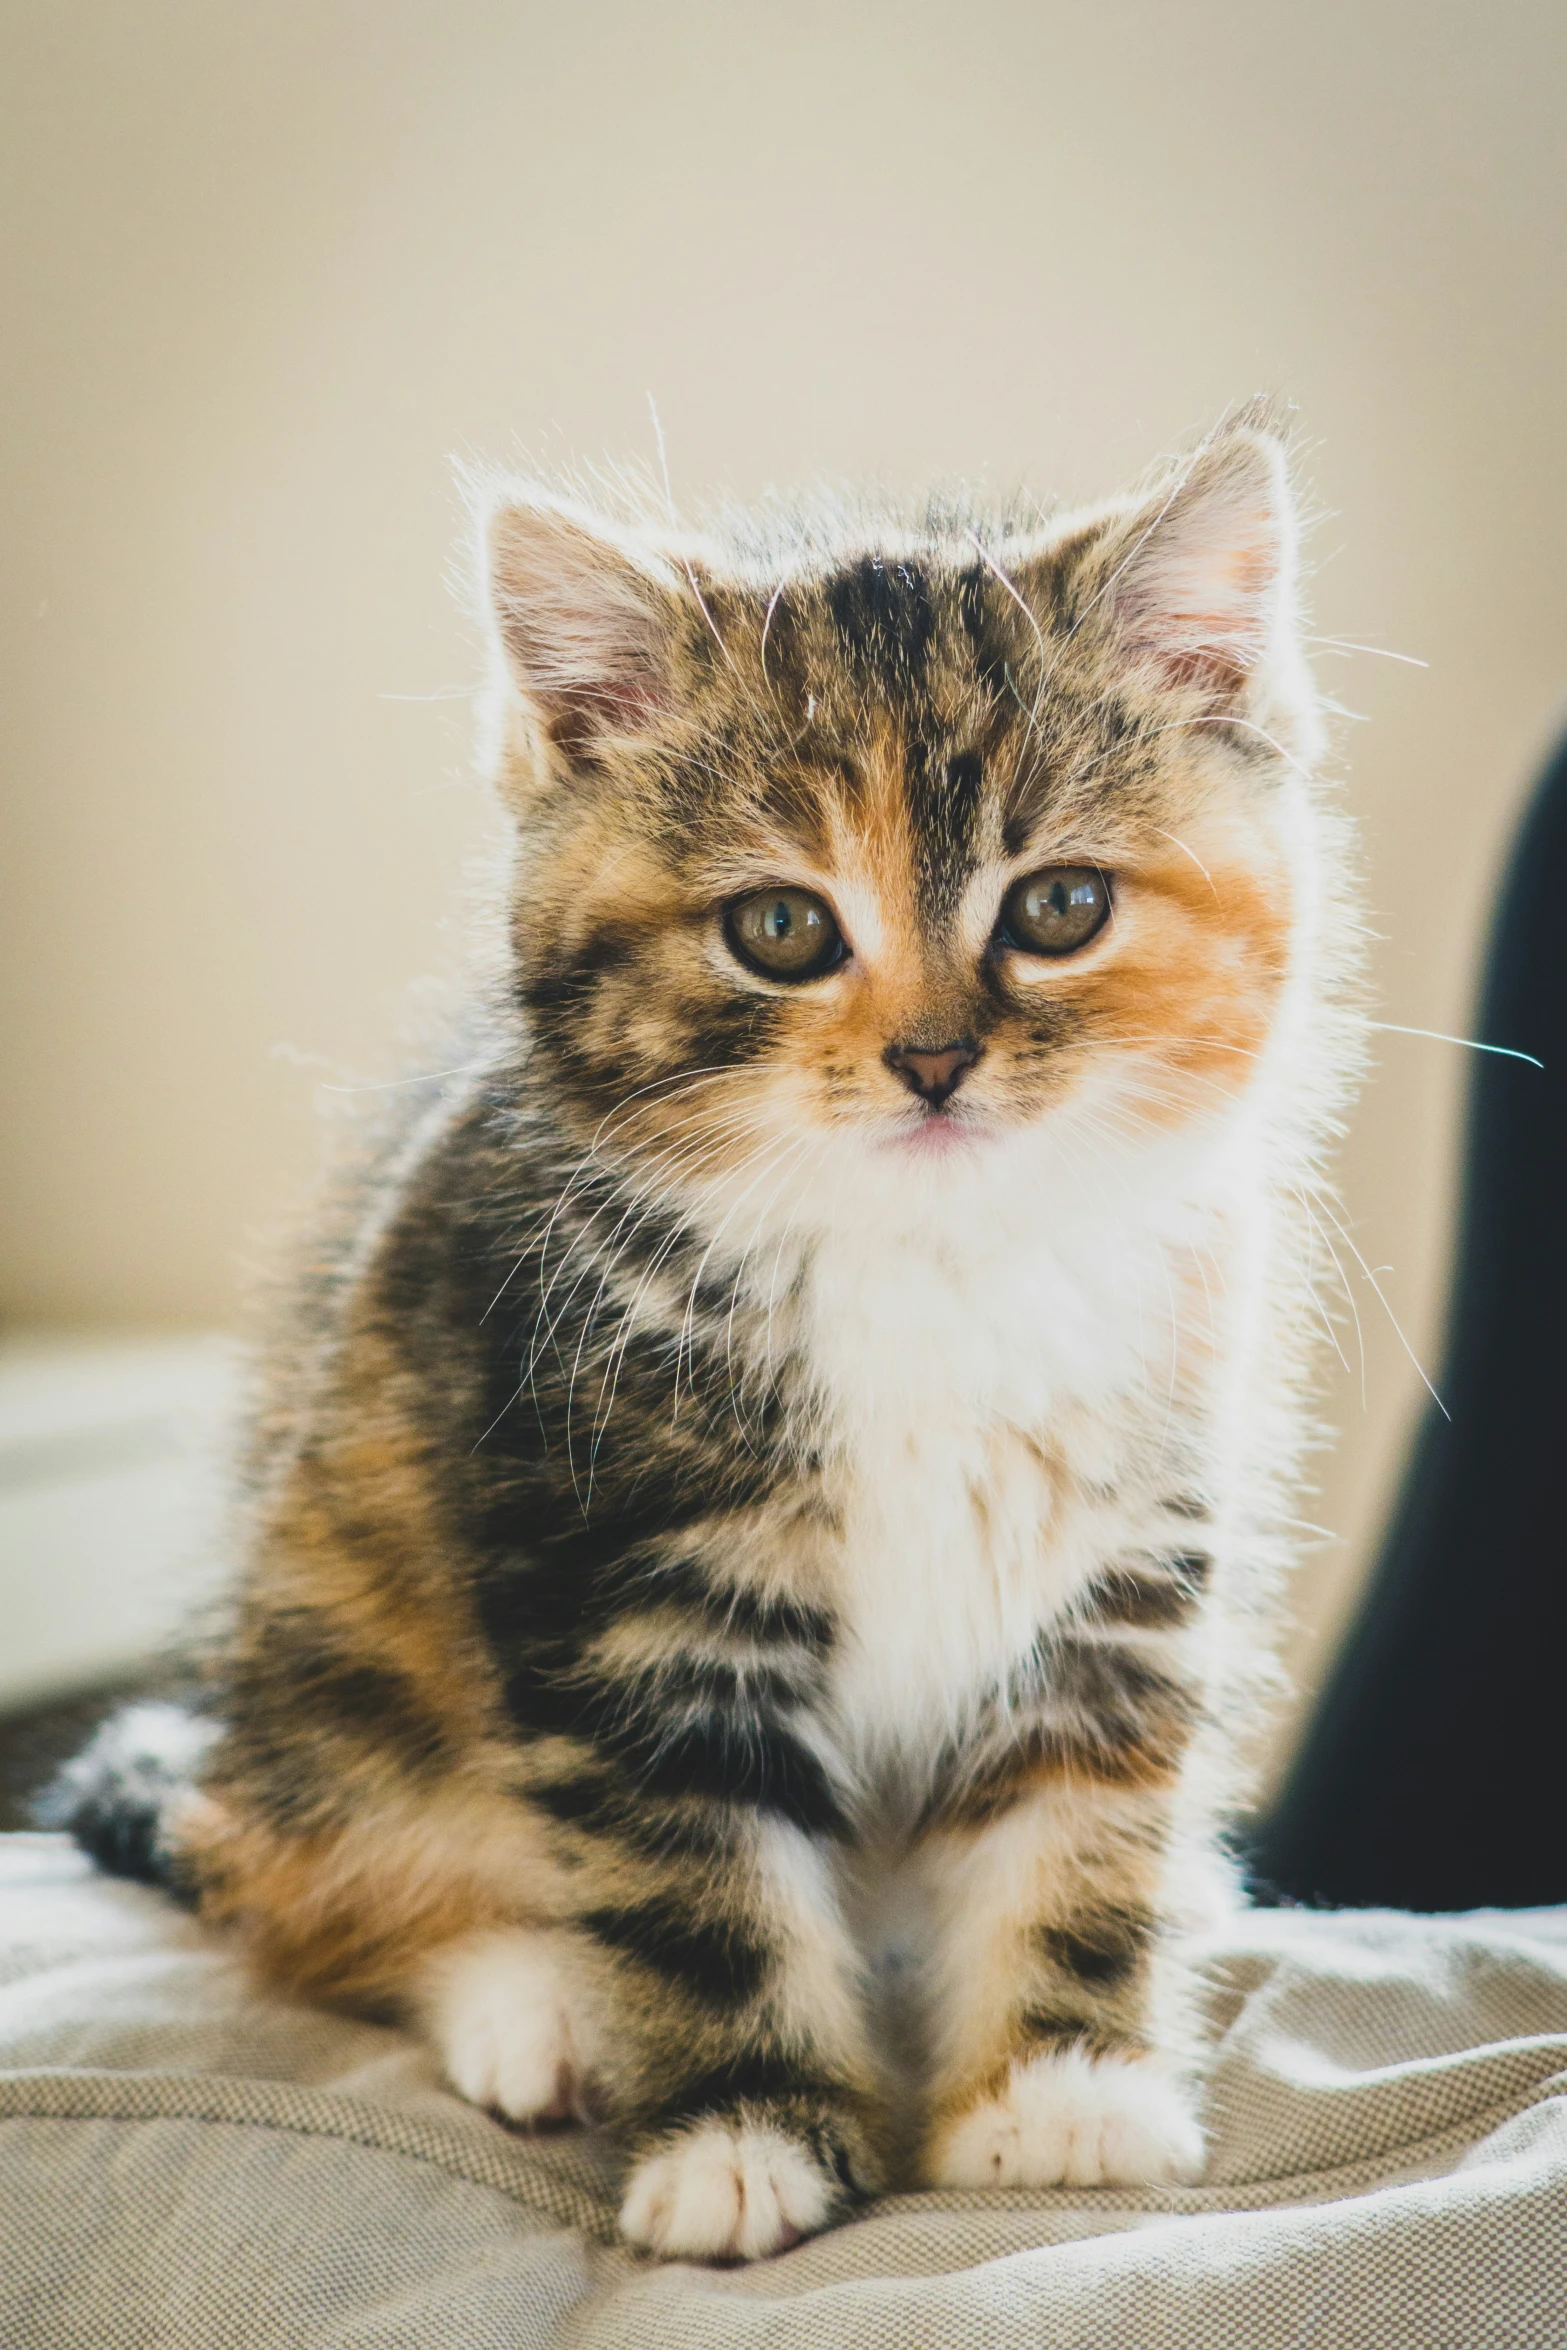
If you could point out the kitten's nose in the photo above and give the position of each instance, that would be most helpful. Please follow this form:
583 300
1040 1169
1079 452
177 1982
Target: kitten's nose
933 1075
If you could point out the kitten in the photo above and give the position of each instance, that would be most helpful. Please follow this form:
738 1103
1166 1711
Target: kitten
795 1440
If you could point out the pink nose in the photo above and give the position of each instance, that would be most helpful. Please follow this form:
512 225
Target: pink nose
933 1075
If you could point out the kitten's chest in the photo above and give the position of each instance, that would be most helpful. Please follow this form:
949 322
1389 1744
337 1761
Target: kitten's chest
975 1454
954 1547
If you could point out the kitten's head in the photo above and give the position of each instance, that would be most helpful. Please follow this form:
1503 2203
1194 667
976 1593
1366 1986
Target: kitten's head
903 845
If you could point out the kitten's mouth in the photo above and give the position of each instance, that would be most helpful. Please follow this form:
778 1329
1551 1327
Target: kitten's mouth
935 1134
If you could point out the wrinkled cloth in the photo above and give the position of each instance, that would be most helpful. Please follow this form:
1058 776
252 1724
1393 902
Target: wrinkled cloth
186 2161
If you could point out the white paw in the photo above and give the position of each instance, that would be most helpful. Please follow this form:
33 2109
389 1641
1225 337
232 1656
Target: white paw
506 2027
1073 2120
726 2192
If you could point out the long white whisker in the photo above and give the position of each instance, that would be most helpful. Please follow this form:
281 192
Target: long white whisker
991 564
424 1077
820 1144
772 606
617 1351
1346 644
1348 1241
589 1162
687 1326
1185 851
679 1162
1349 1299
622 1187
707 1145
690 1155
680 1080
1506 1051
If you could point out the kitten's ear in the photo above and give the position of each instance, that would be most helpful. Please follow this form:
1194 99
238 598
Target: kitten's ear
586 617
1201 579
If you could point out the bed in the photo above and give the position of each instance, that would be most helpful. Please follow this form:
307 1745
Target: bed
185 2161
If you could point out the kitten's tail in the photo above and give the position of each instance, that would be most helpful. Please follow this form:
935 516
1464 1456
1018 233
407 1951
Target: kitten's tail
115 1796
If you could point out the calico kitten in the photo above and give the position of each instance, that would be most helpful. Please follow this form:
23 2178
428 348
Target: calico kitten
795 1439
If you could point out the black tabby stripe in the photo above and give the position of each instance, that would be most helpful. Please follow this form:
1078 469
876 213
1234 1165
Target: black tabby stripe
1151 1596
944 805
295 1685
643 1581
1101 1949
989 637
720 1964
751 2077
1049 2028
749 1760
1104 1711
883 614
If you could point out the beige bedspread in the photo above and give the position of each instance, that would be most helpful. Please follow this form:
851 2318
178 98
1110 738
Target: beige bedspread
184 2164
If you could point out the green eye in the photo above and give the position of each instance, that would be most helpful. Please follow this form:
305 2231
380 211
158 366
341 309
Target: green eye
786 933
1055 911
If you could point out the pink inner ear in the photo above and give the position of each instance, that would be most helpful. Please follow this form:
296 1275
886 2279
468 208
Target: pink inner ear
1196 597
583 624
578 710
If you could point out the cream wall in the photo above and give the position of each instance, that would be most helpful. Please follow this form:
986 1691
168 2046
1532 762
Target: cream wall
266 267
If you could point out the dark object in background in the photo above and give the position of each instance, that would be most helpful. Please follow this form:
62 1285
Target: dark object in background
1434 1772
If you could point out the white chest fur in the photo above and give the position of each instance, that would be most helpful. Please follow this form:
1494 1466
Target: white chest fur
980 1401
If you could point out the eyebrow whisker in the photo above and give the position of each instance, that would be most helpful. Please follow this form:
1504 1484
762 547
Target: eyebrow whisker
1192 853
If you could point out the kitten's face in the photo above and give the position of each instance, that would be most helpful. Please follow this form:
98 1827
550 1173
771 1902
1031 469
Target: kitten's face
904 854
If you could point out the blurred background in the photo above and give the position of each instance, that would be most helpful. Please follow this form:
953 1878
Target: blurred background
268 268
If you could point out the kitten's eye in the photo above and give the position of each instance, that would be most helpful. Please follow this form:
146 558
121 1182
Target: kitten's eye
1055 911
786 933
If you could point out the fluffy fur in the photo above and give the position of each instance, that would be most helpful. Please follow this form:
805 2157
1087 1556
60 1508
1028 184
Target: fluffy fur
724 1516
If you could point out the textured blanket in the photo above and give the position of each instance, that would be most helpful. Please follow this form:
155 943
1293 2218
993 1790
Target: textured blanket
186 2163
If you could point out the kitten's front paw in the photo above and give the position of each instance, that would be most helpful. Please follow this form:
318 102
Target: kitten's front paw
508 2030
1073 2120
727 2190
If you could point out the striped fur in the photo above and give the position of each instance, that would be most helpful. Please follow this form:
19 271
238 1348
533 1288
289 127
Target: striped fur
718 1514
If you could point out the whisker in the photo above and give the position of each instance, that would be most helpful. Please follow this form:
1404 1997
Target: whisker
1345 644
1185 851
709 1074
1507 1052
620 1186
697 1153
1207 1043
687 1325
772 606
707 1145
1349 1298
663 456
617 1351
1349 1243
679 1162
991 564
424 1077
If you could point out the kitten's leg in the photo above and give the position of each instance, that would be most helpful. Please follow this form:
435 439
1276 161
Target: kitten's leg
709 2005
1063 2023
744 2075
680 1965
702 1991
